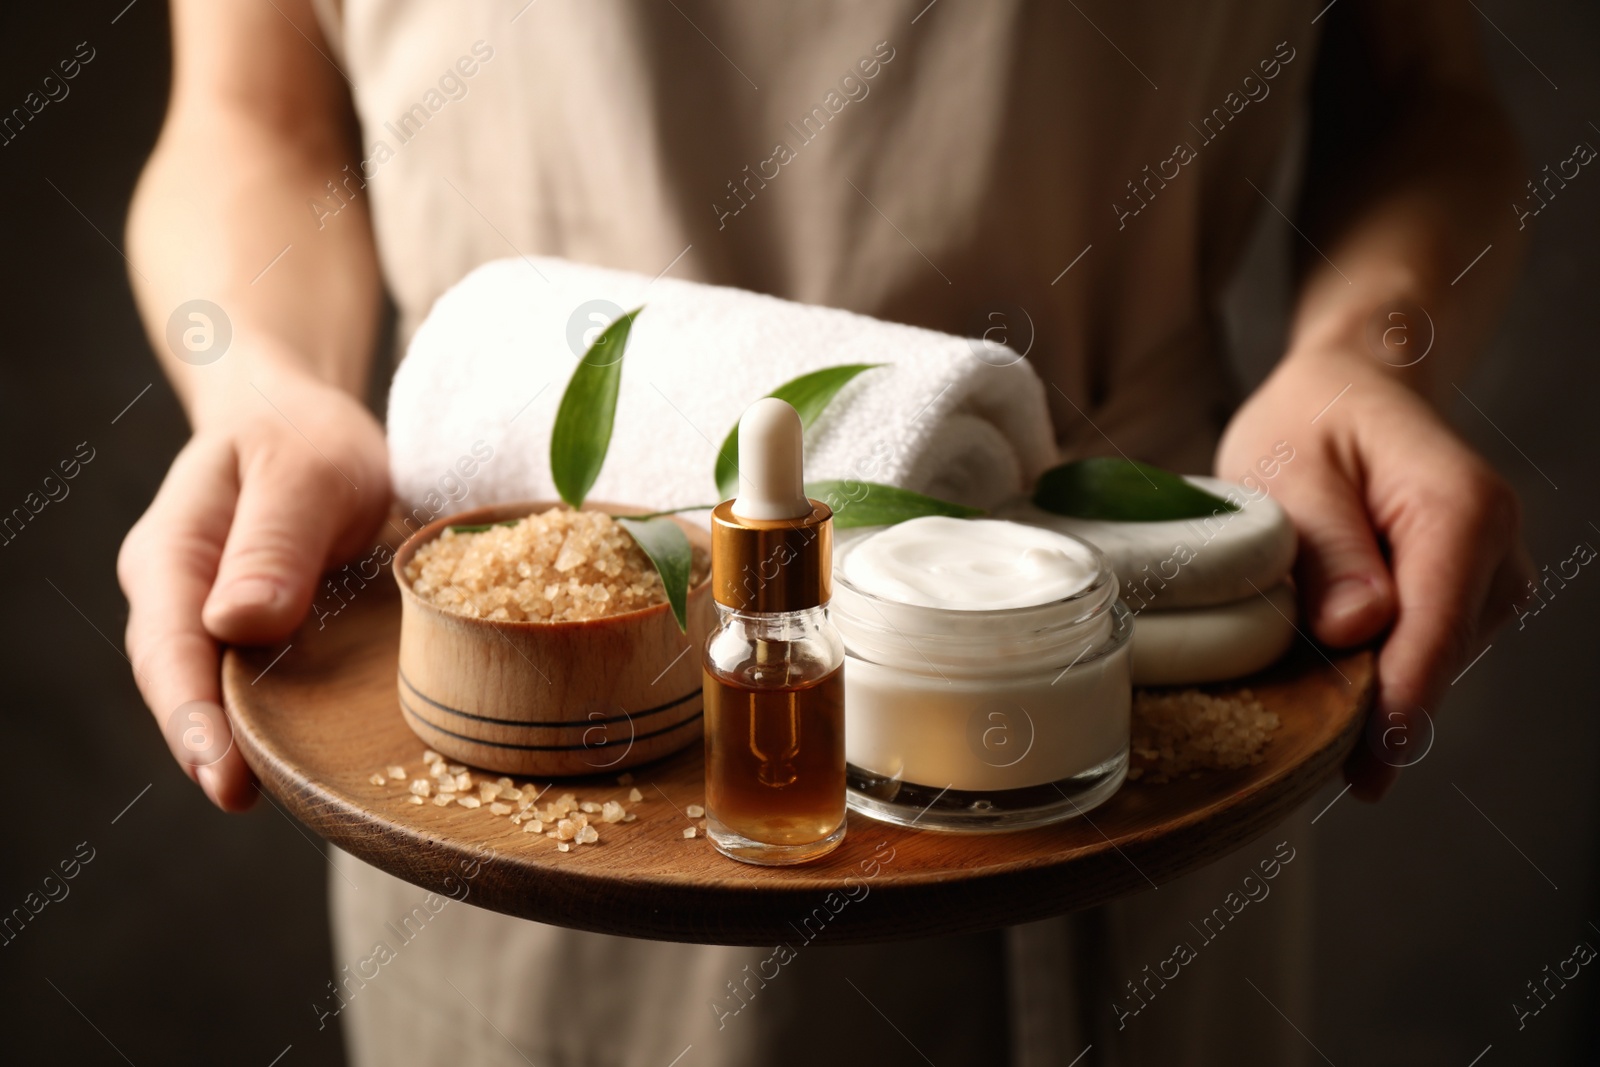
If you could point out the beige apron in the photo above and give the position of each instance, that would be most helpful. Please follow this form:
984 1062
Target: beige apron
1075 179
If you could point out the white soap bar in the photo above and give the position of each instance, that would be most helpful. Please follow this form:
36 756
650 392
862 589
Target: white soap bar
1187 563
1214 644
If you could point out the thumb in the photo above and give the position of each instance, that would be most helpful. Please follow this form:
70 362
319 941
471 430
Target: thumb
1345 585
288 515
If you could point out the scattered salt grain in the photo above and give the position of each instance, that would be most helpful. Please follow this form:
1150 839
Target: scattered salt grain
625 778
694 811
564 847
611 811
443 799
589 806
587 836
500 809
397 772
377 779
688 831
416 800
469 802
635 796
421 787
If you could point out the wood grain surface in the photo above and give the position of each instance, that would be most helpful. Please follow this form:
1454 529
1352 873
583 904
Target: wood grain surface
319 721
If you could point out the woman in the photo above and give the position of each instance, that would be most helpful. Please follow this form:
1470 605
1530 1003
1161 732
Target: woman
934 163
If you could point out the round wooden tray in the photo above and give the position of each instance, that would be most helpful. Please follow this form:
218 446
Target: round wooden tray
318 721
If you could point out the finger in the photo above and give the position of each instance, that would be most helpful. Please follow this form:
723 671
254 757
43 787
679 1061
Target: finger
1446 549
165 567
284 525
1349 596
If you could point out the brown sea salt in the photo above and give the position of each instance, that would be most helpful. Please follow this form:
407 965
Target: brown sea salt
1184 731
557 566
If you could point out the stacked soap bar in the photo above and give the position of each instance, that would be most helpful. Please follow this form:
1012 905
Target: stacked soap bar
1211 596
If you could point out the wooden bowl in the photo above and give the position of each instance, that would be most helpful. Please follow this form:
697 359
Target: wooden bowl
550 698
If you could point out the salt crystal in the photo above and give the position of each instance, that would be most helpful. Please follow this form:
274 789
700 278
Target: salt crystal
532 827
588 836
566 829
629 817
635 796
469 802
694 811
625 778
500 809
377 779
589 806
443 799
416 800
457 768
430 756
688 831
397 772
421 787
564 847
611 811
463 780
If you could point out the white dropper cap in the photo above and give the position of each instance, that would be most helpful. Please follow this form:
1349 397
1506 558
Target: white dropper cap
771 463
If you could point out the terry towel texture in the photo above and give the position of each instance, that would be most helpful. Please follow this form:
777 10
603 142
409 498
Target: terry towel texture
490 363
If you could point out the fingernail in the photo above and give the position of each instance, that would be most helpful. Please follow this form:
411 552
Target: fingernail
1347 597
207 777
250 593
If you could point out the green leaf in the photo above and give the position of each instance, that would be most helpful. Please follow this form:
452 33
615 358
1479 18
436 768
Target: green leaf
808 394
582 431
872 504
668 548
1123 490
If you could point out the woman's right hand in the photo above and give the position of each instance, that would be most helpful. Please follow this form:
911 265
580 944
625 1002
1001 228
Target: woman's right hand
284 476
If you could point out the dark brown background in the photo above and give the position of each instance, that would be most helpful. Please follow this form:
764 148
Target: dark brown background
194 937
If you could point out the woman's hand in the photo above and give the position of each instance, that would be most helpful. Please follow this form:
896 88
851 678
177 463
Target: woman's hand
282 477
1403 529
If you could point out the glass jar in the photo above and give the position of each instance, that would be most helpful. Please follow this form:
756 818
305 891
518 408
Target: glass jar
997 719
774 730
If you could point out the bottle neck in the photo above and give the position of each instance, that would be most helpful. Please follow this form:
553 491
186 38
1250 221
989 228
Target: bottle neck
777 625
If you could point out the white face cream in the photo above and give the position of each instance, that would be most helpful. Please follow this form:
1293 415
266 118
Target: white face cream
970 564
986 679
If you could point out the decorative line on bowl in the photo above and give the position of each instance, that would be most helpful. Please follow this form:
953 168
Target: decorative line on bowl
411 713
559 725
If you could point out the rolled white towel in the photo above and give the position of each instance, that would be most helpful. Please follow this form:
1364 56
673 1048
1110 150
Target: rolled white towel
485 371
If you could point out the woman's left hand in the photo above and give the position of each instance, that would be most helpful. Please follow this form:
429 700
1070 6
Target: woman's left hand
1404 532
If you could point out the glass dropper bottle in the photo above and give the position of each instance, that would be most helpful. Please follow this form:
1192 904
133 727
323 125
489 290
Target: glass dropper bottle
774 665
